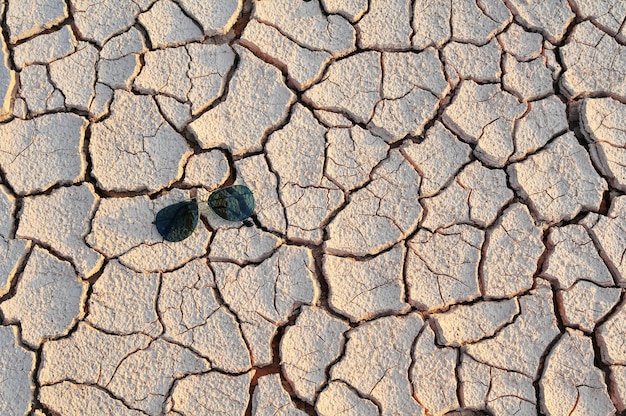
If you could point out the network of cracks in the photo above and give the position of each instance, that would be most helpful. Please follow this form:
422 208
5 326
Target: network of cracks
439 223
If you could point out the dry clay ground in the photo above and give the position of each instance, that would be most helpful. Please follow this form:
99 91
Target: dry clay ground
440 221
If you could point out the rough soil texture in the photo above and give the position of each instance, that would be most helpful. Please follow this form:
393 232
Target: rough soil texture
439 223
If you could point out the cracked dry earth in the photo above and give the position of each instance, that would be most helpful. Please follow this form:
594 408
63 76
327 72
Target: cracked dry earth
440 223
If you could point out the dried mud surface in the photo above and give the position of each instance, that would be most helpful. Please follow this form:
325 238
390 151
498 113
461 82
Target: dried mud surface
440 220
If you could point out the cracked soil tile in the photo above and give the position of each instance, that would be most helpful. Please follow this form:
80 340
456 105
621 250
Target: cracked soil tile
193 317
476 196
302 66
585 303
573 256
45 48
363 289
376 363
308 348
208 70
309 208
40 153
271 399
551 17
570 384
194 73
432 374
351 154
340 399
61 220
431 23
296 154
165 73
379 215
511 253
101 102
12 251
216 17
48 301
604 124
211 394
167 25
519 346
478 22
496 390
609 337
468 61
79 89
16 364
352 10
544 120
438 158
442 267
20 109
304 23
405 71
559 181
72 399
594 63
350 85
609 233
135 148
243 244
144 378
465 324
176 113
119 73
38 92
27 18
413 85
484 115
98 21
124 302
608 15
524 46
617 388
88 356
124 44
120 224
529 81
210 169
258 101
264 296
386 25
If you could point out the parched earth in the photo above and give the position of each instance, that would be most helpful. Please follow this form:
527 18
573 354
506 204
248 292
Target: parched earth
440 221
